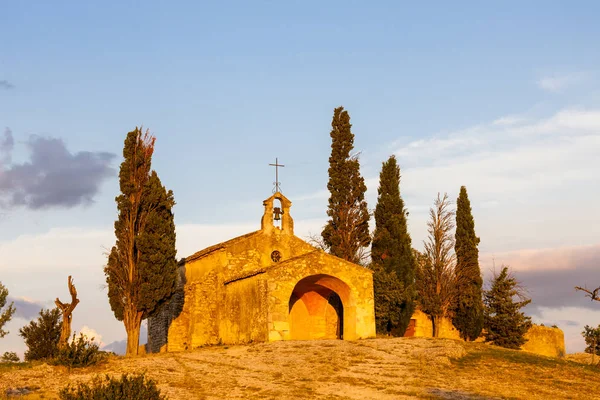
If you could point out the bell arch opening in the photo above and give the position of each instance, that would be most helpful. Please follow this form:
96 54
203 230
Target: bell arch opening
277 212
321 307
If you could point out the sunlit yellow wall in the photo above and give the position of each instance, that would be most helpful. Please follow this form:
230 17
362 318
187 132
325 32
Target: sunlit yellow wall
545 340
424 326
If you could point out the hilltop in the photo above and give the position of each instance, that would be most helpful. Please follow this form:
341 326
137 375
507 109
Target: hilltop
400 368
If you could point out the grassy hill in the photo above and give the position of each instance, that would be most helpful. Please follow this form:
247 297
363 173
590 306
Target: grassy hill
400 368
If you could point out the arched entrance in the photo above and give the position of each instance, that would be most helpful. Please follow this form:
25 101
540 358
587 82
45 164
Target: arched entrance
318 308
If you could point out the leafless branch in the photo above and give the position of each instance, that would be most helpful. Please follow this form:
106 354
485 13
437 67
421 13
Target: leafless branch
317 241
592 294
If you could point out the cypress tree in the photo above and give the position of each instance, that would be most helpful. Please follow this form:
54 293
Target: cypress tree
392 251
347 230
141 269
505 325
468 315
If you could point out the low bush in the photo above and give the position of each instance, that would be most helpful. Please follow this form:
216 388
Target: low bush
80 352
42 335
592 339
135 387
10 357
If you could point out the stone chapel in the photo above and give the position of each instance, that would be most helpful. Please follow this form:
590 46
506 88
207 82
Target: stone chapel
266 285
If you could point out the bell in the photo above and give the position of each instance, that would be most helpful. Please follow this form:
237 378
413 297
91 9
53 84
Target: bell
277 211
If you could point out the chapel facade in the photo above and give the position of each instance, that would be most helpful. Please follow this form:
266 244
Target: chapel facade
266 285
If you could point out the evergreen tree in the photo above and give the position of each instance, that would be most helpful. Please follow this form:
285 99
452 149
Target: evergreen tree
468 315
42 335
391 250
505 325
347 231
141 269
7 314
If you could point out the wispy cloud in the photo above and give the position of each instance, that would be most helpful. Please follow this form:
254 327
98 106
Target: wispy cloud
550 275
53 177
558 82
6 85
509 120
504 158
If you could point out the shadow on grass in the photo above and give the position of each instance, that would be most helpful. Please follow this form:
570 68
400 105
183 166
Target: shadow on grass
438 394
4 367
487 353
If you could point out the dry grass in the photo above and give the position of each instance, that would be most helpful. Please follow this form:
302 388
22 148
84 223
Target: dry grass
403 368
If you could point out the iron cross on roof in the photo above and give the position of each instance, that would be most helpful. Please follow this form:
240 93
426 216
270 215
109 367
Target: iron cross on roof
277 183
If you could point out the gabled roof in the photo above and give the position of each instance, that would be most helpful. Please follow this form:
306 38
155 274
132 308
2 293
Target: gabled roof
219 246
319 253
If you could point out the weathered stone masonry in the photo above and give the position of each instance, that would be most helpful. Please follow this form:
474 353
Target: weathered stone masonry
266 285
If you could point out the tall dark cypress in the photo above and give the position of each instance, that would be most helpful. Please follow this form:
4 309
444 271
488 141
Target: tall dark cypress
141 269
392 252
468 314
347 231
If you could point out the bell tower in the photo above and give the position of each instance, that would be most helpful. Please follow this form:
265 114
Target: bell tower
277 208
277 215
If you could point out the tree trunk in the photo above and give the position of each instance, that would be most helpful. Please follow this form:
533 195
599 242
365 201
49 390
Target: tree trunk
435 321
65 331
67 311
132 321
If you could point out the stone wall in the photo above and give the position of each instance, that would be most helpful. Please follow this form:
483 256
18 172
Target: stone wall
351 282
236 292
541 340
158 325
243 311
225 293
545 340
423 327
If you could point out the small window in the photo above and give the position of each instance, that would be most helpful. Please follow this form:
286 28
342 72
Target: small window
276 256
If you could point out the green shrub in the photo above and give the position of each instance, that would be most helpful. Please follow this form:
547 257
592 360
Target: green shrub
42 335
8 312
592 339
127 388
80 352
9 357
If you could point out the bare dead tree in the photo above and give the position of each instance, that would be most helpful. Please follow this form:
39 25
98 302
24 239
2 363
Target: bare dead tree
316 240
350 219
437 283
594 295
67 310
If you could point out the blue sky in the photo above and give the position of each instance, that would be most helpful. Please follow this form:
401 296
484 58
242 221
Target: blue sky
503 98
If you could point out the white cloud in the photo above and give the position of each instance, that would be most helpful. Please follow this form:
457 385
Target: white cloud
534 177
91 334
558 82
508 120
39 252
509 135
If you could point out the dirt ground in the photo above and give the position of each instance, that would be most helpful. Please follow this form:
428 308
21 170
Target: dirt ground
401 368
